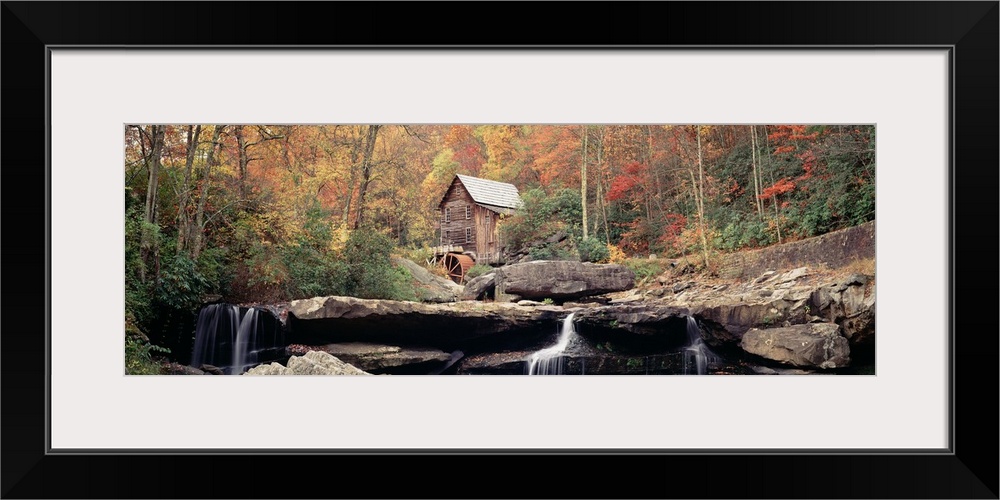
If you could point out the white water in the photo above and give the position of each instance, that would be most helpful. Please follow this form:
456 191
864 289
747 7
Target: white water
697 353
235 348
207 332
245 346
549 361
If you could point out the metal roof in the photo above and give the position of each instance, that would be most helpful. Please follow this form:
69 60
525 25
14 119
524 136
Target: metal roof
492 193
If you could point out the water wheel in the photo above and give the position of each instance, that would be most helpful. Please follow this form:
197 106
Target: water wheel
457 265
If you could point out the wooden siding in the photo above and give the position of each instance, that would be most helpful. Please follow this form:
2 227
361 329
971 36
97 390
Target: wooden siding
484 234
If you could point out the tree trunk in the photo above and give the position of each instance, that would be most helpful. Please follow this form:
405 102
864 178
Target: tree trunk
583 182
701 201
156 149
183 218
241 150
366 172
206 180
757 203
356 146
600 180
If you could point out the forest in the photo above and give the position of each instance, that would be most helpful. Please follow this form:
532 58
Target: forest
269 213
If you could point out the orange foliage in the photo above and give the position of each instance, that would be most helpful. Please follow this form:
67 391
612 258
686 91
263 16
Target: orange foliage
781 187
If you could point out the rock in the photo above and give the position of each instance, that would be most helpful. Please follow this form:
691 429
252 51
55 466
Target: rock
647 319
452 359
851 304
379 357
556 238
763 277
271 369
680 287
324 320
855 279
529 303
814 345
211 369
575 305
726 320
562 279
179 369
766 370
516 363
313 363
478 287
631 297
657 292
765 293
321 363
430 287
792 275
859 326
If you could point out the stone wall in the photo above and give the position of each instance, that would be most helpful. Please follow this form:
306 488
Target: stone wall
831 250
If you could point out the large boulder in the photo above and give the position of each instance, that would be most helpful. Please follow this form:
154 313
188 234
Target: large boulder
814 345
430 287
313 363
478 287
561 279
779 299
850 302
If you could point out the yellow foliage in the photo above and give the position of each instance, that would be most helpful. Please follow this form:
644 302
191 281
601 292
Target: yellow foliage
615 254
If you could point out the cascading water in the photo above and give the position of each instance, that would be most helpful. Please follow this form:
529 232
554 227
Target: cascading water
549 361
697 353
225 340
245 347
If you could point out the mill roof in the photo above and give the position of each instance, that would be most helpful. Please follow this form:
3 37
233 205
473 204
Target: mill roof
491 193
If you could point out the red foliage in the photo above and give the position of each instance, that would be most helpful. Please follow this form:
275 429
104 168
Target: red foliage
781 187
784 149
808 164
675 224
622 185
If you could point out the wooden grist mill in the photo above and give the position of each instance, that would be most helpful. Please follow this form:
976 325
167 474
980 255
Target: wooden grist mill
470 213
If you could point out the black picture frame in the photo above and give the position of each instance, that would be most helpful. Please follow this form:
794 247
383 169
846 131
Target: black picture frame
970 29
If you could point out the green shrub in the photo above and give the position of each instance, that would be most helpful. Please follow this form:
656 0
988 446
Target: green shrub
645 269
139 357
181 284
593 250
542 215
477 271
368 272
550 251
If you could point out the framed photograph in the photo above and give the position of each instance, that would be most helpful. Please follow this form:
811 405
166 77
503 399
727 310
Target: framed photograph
916 82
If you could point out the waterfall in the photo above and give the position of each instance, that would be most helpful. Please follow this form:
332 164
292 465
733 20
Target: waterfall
697 353
214 333
225 340
245 347
549 361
